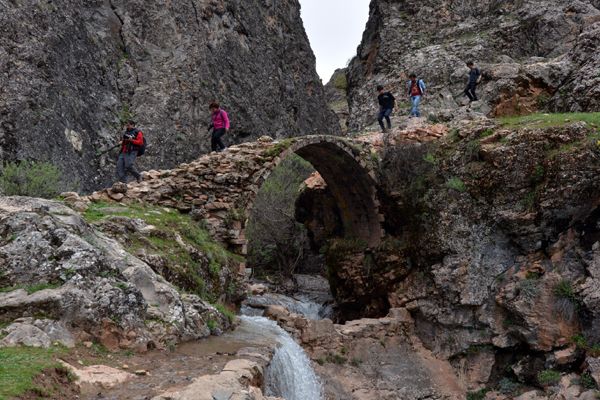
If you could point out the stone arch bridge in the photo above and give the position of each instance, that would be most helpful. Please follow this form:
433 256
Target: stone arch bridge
220 188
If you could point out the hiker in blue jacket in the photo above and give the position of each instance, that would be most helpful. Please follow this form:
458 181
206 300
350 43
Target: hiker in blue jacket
416 91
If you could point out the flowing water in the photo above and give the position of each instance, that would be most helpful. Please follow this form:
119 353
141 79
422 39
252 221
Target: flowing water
302 305
290 374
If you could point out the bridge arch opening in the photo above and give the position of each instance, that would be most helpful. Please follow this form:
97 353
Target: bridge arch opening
350 186
349 179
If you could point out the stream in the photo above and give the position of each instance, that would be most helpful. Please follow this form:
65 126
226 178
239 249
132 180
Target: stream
289 375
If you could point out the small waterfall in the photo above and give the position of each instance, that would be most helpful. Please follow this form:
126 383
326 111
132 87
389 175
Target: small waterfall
290 374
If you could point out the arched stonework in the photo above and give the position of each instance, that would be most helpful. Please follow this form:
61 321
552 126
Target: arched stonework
350 179
220 188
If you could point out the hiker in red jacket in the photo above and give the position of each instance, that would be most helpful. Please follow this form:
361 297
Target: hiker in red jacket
132 142
219 125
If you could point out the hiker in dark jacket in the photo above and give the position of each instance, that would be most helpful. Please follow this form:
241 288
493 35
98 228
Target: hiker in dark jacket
220 126
386 106
416 91
474 79
133 140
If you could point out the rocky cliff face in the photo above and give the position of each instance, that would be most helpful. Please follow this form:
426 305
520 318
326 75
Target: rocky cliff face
70 73
533 55
492 246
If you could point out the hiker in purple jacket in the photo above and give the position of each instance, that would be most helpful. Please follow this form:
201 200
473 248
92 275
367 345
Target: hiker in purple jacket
219 125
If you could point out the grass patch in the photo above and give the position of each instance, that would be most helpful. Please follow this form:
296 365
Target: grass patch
30 289
456 184
548 377
478 395
170 224
334 358
564 290
20 365
529 288
431 159
278 148
488 132
541 120
355 362
225 311
567 303
587 381
581 342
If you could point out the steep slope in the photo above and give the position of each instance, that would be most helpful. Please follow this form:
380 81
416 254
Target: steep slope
530 53
71 72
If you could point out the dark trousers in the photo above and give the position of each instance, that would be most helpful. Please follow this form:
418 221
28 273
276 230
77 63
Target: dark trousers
470 91
385 114
126 165
216 144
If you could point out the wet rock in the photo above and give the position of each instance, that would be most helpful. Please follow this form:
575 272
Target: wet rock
240 379
99 375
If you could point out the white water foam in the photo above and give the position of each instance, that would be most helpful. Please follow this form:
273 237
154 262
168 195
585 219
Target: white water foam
290 374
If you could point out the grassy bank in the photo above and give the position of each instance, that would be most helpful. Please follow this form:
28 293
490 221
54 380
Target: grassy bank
20 365
543 120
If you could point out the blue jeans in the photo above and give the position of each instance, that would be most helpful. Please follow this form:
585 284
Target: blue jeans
385 114
415 100
126 165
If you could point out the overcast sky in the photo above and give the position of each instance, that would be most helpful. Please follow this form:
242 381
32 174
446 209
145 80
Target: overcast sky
335 28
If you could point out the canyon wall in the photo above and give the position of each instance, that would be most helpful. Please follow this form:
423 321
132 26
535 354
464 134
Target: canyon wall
72 72
534 55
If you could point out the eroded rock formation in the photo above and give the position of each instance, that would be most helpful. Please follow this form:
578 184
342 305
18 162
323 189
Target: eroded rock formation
64 281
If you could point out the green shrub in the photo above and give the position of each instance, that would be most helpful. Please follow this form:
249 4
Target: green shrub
30 178
336 359
276 241
486 133
579 341
529 288
478 395
564 290
456 184
340 81
537 175
430 158
225 311
211 324
587 381
355 362
507 386
548 377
